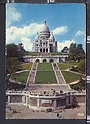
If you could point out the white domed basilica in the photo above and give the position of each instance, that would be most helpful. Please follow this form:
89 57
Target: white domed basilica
45 42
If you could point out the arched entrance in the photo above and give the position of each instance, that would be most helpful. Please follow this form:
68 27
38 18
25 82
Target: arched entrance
44 50
40 50
51 60
37 60
44 60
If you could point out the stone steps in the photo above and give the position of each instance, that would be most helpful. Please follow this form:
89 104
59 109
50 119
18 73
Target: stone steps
48 87
32 74
58 74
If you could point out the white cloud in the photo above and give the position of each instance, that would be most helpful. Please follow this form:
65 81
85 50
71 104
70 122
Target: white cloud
60 30
24 34
27 43
12 15
79 33
17 35
63 44
13 33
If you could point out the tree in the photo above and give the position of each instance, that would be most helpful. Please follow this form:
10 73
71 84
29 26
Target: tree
12 65
81 65
72 51
12 50
76 52
80 52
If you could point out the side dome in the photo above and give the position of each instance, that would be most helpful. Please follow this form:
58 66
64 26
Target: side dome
37 37
52 37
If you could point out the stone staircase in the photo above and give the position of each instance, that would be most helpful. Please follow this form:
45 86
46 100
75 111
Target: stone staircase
58 74
32 74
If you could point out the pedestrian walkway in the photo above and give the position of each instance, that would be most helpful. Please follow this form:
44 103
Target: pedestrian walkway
76 82
74 72
32 74
58 74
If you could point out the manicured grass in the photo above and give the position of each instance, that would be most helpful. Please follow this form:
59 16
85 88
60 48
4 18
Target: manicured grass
45 66
45 74
55 53
45 77
21 77
70 77
63 66
31 53
27 66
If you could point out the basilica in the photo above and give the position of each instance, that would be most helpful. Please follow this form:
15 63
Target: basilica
45 41
44 45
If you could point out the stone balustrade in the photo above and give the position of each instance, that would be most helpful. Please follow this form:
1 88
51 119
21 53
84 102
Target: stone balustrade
44 99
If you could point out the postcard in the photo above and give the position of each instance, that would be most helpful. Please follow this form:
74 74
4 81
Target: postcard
45 61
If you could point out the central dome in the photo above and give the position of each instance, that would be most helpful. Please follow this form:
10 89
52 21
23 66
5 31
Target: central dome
45 27
45 30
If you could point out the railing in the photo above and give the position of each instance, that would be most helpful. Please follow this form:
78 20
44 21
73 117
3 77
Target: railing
25 98
31 94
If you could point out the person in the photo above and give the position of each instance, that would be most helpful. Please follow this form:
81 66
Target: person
57 114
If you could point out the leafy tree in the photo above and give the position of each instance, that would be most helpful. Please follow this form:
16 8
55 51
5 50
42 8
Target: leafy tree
80 52
12 50
81 65
76 52
12 65
72 51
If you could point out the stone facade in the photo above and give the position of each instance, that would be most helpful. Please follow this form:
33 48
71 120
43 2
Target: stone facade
49 58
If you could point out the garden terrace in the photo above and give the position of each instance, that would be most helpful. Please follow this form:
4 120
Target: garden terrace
63 66
20 77
45 73
70 77
27 66
31 53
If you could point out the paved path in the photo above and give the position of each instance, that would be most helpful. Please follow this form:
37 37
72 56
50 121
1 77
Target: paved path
19 72
58 74
75 82
48 87
74 72
22 112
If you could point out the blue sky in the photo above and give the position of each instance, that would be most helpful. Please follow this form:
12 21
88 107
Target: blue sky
66 21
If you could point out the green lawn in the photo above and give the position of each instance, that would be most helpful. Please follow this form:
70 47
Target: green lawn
27 66
45 66
70 77
45 77
21 77
55 53
63 66
31 53
45 73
